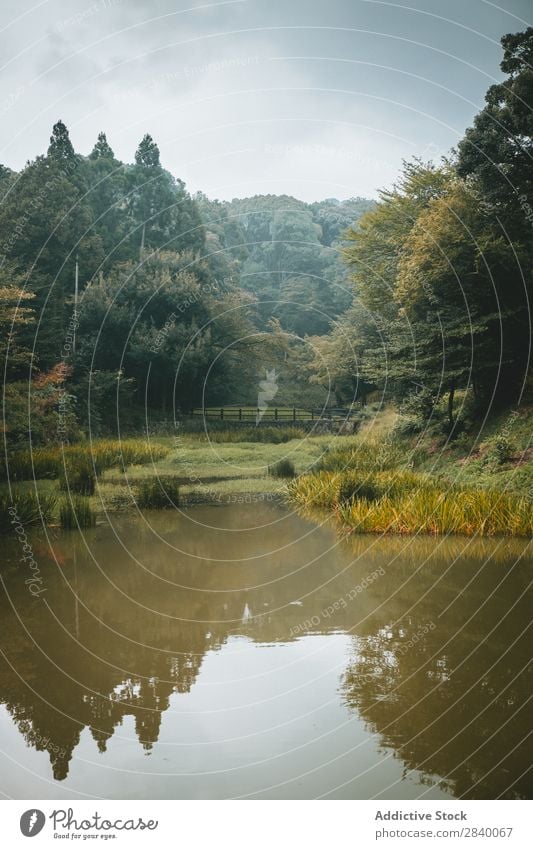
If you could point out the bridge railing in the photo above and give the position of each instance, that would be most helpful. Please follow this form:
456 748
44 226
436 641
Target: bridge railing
272 414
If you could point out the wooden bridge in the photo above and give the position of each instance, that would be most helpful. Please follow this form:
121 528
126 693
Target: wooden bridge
270 415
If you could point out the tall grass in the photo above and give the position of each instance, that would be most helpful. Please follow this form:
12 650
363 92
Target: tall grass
50 462
282 469
78 475
329 489
364 456
401 502
274 435
26 508
468 512
158 494
76 512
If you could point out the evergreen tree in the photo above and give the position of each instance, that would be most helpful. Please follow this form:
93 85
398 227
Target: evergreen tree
162 213
147 154
101 149
60 148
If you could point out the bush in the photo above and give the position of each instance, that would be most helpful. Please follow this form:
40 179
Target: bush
75 513
78 476
158 493
502 450
351 488
29 508
282 469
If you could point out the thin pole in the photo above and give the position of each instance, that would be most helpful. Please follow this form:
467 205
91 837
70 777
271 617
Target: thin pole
76 279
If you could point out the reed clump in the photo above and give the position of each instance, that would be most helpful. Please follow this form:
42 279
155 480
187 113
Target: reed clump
273 435
364 456
158 494
282 469
78 475
25 508
402 502
467 512
50 462
76 512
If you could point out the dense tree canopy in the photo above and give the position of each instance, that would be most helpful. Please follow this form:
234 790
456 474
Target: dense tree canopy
441 268
183 300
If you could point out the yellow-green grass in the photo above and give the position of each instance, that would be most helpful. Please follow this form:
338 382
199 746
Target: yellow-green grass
51 462
250 434
403 502
21 506
76 512
468 512
203 472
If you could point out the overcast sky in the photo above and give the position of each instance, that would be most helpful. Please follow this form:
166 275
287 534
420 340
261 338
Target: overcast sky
314 99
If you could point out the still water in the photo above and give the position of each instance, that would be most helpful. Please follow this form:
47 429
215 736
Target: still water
244 651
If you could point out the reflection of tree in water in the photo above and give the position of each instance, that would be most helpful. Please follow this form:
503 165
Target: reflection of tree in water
118 641
465 721
51 709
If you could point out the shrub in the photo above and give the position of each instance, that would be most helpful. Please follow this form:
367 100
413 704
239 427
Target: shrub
76 512
158 493
29 508
502 450
78 476
351 488
282 469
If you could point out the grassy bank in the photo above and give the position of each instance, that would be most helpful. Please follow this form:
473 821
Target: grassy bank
380 480
384 481
77 484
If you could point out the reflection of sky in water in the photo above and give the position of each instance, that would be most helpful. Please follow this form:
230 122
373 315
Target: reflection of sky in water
185 675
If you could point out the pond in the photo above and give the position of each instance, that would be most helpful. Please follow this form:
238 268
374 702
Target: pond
245 651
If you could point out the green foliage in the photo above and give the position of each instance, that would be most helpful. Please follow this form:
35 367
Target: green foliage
158 494
76 512
101 149
406 503
285 253
29 508
78 475
273 435
165 326
60 147
284 468
502 449
497 149
92 457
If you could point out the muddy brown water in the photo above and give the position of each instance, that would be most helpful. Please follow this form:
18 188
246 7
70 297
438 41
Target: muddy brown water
245 651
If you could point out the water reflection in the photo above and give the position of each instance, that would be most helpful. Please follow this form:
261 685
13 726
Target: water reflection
436 663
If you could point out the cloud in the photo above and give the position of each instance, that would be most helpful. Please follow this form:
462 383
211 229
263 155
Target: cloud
304 97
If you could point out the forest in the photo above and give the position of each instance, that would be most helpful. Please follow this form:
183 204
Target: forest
121 293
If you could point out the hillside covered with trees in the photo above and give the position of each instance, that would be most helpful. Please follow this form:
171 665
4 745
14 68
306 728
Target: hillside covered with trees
442 272
122 292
